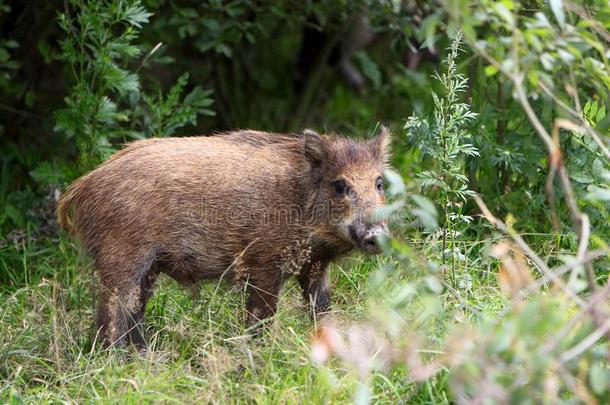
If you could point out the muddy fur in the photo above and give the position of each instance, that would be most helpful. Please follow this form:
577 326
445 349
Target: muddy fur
247 206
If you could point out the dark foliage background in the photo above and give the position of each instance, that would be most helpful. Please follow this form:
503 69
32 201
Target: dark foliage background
162 68
189 68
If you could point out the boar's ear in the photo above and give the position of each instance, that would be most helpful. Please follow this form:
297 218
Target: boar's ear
315 150
380 145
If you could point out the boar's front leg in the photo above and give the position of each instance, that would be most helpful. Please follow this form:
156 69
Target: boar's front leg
263 294
314 282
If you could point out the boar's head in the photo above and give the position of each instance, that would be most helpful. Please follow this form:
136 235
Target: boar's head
348 187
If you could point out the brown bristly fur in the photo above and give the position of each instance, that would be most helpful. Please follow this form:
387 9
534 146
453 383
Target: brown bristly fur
194 207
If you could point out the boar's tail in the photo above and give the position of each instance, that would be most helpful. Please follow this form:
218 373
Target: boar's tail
65 207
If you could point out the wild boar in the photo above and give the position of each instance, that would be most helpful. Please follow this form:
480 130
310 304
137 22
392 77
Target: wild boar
247 206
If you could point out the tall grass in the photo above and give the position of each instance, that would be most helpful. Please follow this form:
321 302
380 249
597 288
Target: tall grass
198 349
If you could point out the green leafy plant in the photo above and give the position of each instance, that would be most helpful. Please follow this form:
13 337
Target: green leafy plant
163 115
446 141
99 43
545 340
104 105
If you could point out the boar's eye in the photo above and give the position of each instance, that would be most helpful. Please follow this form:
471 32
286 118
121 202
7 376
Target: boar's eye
379 184
341 188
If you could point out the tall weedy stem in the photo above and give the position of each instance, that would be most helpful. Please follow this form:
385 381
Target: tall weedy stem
445 140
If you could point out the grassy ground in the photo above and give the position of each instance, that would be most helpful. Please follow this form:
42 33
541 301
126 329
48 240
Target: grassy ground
198 349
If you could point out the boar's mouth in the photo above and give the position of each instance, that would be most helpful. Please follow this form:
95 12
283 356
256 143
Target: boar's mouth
367 238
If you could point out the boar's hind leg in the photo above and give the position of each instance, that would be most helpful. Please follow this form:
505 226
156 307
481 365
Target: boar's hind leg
123 298
263 295
314 282
136 327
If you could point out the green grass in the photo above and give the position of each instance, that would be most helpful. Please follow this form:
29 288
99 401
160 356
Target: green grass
198 349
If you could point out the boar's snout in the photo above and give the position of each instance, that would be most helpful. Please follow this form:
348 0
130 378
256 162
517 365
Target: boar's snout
366 236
